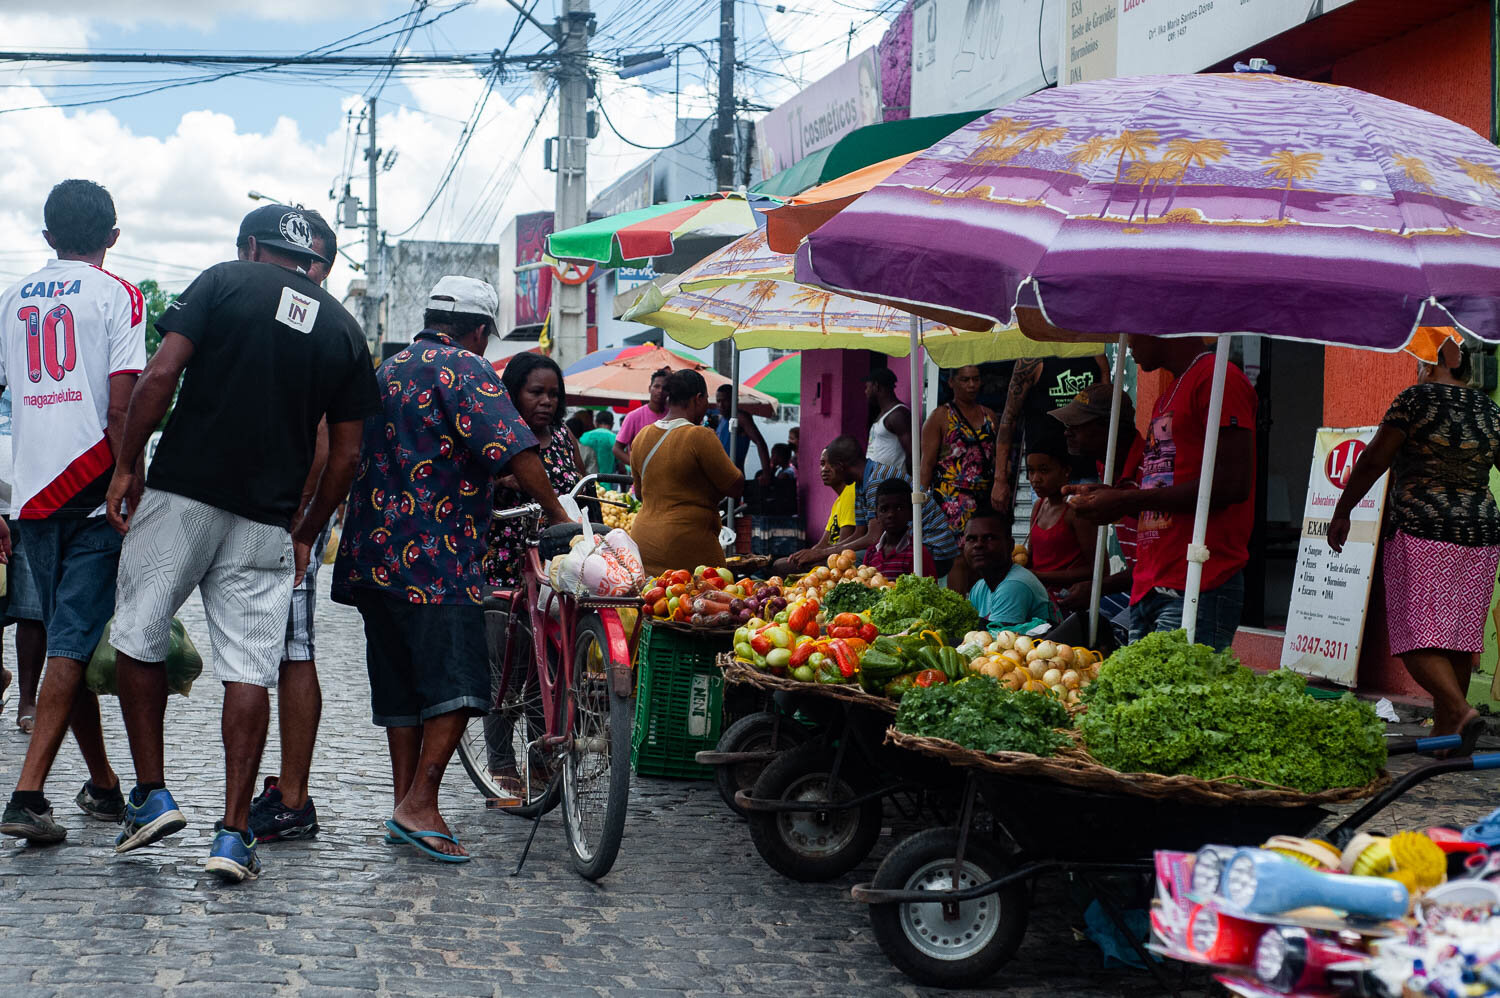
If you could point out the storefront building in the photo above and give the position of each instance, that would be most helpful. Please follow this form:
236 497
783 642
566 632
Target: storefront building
1437 55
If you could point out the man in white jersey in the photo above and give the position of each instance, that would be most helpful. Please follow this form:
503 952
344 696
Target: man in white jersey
72 341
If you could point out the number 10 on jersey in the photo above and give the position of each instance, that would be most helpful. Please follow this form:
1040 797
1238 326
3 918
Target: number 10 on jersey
42 347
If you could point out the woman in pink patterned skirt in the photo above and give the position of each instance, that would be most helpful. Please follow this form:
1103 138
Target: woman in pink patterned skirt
1442 536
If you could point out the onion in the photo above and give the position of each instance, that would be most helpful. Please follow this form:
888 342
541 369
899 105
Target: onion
1023 644
1046 649
1013 656
1012 681
1064 656
1006 640
1052 677
1070 679
1037 669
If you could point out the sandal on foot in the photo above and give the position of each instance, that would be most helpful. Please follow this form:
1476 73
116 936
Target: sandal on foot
415 838
26 722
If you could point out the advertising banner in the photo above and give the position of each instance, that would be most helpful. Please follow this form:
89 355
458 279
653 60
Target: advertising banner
630 192
533 287
845 99
1331 592
1104 38
972 54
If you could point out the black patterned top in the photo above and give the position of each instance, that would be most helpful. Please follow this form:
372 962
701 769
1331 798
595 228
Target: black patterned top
1441 476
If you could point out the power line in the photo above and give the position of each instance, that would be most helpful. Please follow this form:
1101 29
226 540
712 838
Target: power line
458 152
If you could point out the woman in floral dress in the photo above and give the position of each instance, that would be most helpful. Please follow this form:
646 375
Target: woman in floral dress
958 450
535 386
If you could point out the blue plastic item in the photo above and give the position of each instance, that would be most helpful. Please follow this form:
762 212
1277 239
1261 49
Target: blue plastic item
1259 882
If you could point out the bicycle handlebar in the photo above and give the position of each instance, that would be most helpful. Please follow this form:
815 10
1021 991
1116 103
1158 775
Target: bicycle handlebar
534 509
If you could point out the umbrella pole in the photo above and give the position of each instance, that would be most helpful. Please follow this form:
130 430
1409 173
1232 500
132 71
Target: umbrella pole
917 496
1197 553
1101 542
734 418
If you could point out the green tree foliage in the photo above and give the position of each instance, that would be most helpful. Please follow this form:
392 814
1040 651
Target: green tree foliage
157 301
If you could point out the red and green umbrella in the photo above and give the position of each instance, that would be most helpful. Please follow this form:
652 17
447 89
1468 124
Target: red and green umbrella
609 354
781 379
653 231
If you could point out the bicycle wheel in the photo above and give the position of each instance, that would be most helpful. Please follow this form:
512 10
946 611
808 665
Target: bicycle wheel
517 720
596 763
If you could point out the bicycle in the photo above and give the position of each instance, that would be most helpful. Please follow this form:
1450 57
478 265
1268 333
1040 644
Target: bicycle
562 705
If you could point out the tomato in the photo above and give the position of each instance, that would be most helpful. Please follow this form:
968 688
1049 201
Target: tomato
714 582
847 620
725 574
845 631
682 577
868 633
654 594
676 589
930 677
812 629
660 608
760 644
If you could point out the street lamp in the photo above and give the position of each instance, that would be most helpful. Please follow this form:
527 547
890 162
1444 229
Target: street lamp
258 196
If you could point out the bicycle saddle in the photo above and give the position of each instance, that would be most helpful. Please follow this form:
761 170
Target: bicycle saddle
558 538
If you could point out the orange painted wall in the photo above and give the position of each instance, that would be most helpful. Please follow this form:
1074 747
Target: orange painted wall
1442 67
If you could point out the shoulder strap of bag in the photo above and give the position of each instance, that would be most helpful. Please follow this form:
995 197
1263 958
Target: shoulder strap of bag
660 440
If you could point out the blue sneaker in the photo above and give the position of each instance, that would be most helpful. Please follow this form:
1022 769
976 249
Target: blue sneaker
148 820
232 856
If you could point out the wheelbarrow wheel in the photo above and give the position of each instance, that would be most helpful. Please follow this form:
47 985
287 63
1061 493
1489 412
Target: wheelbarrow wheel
921 940
761 731
811 845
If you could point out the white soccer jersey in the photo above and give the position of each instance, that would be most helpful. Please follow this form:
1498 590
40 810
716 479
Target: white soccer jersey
63 332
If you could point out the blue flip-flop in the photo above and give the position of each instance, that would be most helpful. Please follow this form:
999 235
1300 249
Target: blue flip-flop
415 838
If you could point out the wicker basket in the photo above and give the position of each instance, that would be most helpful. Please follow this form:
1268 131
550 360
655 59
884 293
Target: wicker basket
1075 767
736 671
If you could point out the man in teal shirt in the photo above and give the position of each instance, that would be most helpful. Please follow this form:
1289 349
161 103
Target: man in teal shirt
1007 595
601 440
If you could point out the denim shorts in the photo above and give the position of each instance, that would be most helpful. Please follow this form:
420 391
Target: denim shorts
1218 613
72 565
21 599
424 659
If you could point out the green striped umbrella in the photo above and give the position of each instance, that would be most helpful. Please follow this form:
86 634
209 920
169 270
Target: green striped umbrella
781 379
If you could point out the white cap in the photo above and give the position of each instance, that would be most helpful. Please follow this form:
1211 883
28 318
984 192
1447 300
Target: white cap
465 295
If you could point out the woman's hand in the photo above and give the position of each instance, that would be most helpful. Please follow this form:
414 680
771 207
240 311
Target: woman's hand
1338 532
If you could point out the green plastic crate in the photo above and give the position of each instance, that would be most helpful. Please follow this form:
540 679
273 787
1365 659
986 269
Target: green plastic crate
679 703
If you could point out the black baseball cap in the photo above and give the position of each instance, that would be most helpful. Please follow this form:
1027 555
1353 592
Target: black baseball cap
281 227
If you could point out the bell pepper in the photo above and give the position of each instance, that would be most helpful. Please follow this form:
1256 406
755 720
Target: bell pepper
843 631
899 685
803 652
848 661
812 629
760 644
847 620
937 638
953 663
929 677
830 675
868 632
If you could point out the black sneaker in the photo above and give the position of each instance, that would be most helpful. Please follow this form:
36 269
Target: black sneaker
106 805
37 827
271 820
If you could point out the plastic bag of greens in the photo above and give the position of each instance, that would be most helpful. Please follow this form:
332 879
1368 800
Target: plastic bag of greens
183 664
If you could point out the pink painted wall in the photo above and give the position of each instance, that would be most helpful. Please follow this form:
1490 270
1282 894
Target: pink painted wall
833 403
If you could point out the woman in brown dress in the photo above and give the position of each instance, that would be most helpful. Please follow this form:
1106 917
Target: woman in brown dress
683 477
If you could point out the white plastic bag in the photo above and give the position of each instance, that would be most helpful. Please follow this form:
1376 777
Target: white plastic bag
608 565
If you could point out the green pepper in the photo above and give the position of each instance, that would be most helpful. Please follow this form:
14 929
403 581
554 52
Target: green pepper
953 663
829 674
898 686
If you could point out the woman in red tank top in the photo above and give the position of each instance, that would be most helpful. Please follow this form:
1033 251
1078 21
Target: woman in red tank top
1061 548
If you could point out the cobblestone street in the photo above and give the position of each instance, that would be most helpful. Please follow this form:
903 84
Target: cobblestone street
689 909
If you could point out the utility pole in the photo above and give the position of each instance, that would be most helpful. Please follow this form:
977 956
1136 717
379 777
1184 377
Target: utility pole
721 146
570 301
372 241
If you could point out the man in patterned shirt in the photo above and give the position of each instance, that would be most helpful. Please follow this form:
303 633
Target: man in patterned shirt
414 538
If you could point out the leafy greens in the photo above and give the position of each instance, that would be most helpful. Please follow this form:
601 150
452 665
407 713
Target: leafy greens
851 597
1161 705
980 713
917 603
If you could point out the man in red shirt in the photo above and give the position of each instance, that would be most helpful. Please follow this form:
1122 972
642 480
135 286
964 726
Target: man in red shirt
1168 493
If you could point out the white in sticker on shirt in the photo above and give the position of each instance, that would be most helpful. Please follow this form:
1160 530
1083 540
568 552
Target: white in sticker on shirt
297 311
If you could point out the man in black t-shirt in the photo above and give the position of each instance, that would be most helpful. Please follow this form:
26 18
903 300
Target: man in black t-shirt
265 355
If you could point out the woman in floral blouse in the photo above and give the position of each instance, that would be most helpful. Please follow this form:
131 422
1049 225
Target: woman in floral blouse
1441 543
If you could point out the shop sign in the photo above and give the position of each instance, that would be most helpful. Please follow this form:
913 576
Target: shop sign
845 99
974 54
1104 38
1331 592
627 279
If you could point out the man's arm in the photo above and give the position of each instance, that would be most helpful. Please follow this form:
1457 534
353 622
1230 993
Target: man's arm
531 475
1233 474
148 404
749 429
899 423
320 459
1025 376
622 454
340 459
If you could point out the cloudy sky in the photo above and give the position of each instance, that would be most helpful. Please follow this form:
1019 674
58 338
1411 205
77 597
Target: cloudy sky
180 161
